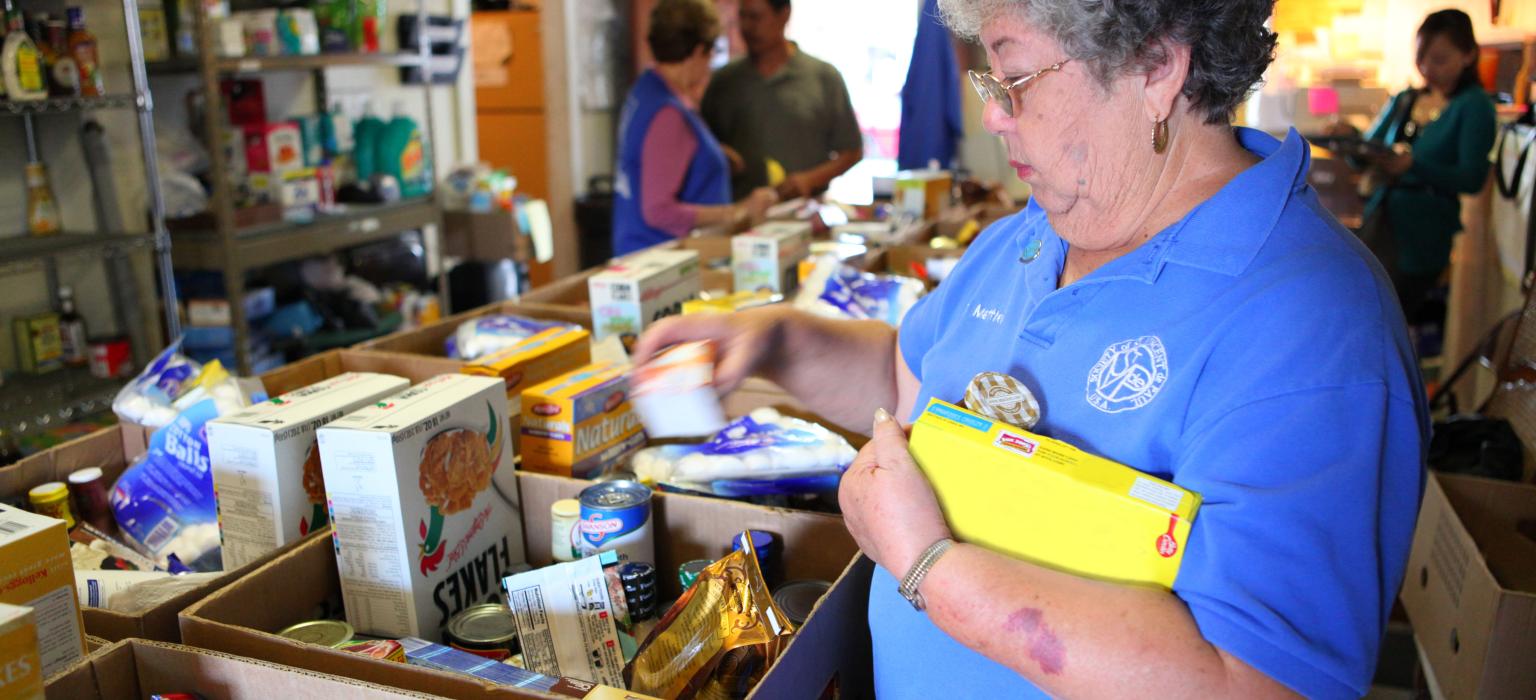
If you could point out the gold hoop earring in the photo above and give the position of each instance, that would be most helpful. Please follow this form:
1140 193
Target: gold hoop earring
1160 136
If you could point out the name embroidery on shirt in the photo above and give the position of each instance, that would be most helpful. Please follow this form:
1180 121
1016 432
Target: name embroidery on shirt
988 315
1128 375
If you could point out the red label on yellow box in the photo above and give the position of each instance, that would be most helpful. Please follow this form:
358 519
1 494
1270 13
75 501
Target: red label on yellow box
36 572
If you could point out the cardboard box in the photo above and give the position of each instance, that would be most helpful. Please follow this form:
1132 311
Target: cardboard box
580 424
1470 588
136 668
1103 519
423 504
768 257
266 467
35 571
639 290
21 668
428 340
914 261
318 368
104 449
489 236
244 619
922 193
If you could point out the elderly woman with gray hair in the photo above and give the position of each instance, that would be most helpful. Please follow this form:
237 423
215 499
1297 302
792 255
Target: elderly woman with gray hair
1179 302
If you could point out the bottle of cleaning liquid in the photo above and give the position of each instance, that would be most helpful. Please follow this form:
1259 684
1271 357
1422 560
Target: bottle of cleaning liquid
82 46
403 154
21 62
366 136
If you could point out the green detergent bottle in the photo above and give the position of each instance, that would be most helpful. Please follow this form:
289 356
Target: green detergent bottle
367 136
403 154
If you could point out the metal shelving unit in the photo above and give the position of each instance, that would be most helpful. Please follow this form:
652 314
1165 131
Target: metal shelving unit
23 250
234 250
62 105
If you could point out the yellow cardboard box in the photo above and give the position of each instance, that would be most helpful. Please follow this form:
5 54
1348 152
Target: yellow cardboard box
535 360
21 670
35 571
1042 500
580 424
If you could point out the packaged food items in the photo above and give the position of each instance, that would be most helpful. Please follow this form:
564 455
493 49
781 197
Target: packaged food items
35 572
564 519
43 215
566 618
487 630
616 516
729 303
483 335
39 344
165 504
689 571
640 593
420 652
1001 397
381 649
763 453
535 360
580 424
424 504
89 488
52 499
1111 521
171 383
718 639
923 194
91 548
798 598
96 589
674 393
835 290
82 47
767 258
325 633
266 465
641 289
21 669
135 592
770 559
111 358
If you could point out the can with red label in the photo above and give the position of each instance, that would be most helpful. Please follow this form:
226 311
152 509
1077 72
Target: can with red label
111 358
488 630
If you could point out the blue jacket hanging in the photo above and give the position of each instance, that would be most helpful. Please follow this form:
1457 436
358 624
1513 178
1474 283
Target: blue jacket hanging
931 120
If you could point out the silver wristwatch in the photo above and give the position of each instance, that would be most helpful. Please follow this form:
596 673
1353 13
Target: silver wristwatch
914 578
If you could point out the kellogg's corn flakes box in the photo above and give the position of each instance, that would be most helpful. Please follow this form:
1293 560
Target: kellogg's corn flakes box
580 424
266 466
424 504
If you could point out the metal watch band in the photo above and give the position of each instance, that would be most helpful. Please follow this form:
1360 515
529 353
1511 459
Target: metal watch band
914 578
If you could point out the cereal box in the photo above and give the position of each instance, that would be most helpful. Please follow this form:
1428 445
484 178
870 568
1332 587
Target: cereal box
641 289
266 468
544 356
580 424
21 670
36 572
424 504
767 258
1093 517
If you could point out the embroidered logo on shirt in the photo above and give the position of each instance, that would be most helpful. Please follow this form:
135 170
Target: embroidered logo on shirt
1128 375
989 315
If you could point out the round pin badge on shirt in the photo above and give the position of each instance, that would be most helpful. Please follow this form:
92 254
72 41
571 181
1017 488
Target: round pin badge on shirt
1003 398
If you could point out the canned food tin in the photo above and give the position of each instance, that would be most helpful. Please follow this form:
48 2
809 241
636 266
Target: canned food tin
690 570
616 515
52 499
796 599
325 633
564 515
487 630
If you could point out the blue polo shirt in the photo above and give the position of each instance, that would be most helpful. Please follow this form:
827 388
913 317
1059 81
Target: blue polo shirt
1252 352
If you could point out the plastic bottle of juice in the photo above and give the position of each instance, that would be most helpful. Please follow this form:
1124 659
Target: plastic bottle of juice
82 46
42 209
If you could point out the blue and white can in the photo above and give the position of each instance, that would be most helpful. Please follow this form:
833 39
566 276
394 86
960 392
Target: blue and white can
616 516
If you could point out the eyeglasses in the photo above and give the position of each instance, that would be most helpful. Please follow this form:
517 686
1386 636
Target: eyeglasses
990 88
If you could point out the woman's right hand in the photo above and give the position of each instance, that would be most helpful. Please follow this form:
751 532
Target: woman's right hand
758 202
746 342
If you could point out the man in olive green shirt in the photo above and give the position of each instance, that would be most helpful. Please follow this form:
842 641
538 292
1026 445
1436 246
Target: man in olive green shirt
780 103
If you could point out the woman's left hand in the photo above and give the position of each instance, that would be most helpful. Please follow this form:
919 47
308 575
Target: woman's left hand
888 504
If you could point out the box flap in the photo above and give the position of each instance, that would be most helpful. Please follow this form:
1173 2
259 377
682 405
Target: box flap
832 644
314 401
414 404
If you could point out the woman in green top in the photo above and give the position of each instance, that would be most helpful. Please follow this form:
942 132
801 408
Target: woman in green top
1440 136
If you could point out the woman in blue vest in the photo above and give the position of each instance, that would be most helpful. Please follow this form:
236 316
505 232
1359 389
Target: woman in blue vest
673 175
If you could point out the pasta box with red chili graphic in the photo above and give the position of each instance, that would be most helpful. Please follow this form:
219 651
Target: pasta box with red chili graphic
424 504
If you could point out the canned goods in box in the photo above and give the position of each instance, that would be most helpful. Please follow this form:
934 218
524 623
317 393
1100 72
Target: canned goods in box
487 630
616 515
385 649
690 570
639 580
326 633
796 599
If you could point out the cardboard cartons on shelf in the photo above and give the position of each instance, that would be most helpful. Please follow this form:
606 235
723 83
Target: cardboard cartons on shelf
104 449
1470 589
137 668
244 619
